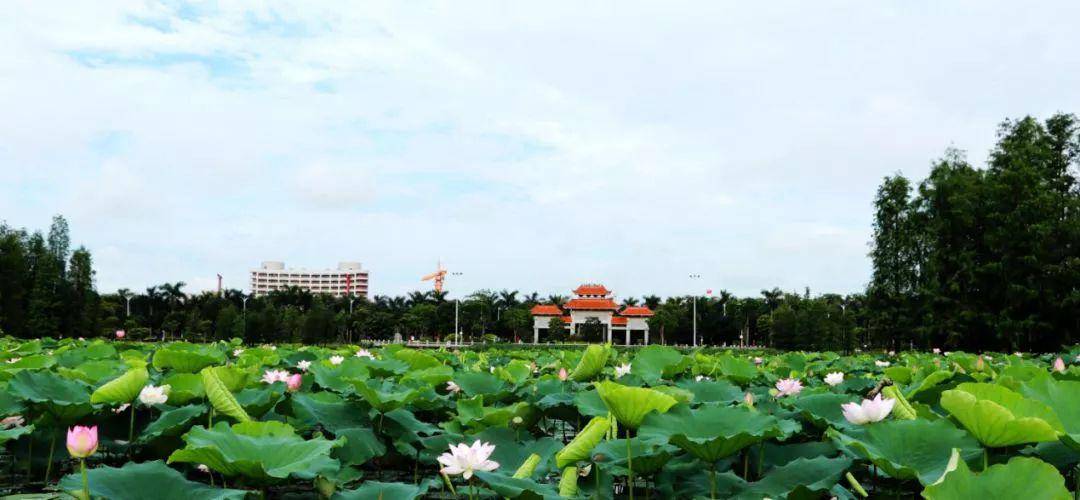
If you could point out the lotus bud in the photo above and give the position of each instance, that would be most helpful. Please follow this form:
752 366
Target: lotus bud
120 334
82 441
1059 365
979 364
293 382
563 375
749 400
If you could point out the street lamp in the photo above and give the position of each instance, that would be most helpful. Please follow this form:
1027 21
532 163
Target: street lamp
457 306
128 313
695 277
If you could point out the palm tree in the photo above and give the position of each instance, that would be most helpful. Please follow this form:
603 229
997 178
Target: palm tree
558 300
630 302
532 298
417 298
507 299
652 301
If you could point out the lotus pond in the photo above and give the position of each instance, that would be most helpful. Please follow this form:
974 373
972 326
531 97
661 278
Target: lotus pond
224 421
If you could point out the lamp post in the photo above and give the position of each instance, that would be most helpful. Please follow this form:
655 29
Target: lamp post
457 306
694 277
127 314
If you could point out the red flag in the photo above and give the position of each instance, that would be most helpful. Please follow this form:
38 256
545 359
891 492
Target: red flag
708 292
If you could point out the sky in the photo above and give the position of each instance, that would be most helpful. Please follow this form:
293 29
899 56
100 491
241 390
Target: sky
529 146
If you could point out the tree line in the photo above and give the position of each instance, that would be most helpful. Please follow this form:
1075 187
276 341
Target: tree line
983 258
972 258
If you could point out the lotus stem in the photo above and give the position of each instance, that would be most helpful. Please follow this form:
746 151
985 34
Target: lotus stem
629 464
85 479
131 425
986 458
712 480
746 465
449 485
48 467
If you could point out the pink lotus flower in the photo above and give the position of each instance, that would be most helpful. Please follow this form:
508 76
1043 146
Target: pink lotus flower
12 421
563 375
120 334
871 410
82 441
464 459
1059 365
293 382
271 376
788 387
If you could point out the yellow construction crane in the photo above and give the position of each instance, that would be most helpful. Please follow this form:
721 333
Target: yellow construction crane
439 275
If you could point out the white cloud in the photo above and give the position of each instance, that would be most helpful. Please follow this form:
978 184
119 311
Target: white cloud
530 147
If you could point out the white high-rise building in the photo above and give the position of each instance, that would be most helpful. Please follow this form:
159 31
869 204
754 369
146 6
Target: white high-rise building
347 279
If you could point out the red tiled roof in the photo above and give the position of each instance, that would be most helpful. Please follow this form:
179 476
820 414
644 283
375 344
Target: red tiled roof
591 290
567 320
546 310
618 321
591 305
636 311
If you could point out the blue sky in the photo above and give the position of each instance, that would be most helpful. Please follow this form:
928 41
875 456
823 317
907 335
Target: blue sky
530 147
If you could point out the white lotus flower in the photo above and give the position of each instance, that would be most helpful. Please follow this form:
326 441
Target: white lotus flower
758 360
364 353
12 421
871 410
303 365
151 395
937 351
892 353
788 387
834 378
882 364
120 409
1018 354
452 387
621 370
203 468
14 360
336 360
700 378
271 376
464 459
237 352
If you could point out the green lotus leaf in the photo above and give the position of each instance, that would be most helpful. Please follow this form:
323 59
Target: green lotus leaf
184 387
708 391
383 395
375 490
35 362
737 370
14 433
583 443
511 487
590 404
515 372
361 445
1062 396
898 374
568 482
824 409
648 457
258 400
93 372
908 449
234 378
800 478
927 383
186 358
528 467
172 422
629 405
651 362
710 433
328 410
1021 477
513 447
66 400
123 389
385 368
434 376
591 364
135 481
417 360
260 451
480 383
681 395
220 398
997 416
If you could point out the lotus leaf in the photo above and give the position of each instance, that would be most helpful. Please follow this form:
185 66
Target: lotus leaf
997 416
220 398
908 449
629 405
1021 477
591 364
710 433
186 358
136 481
260 451
123 389
583 442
